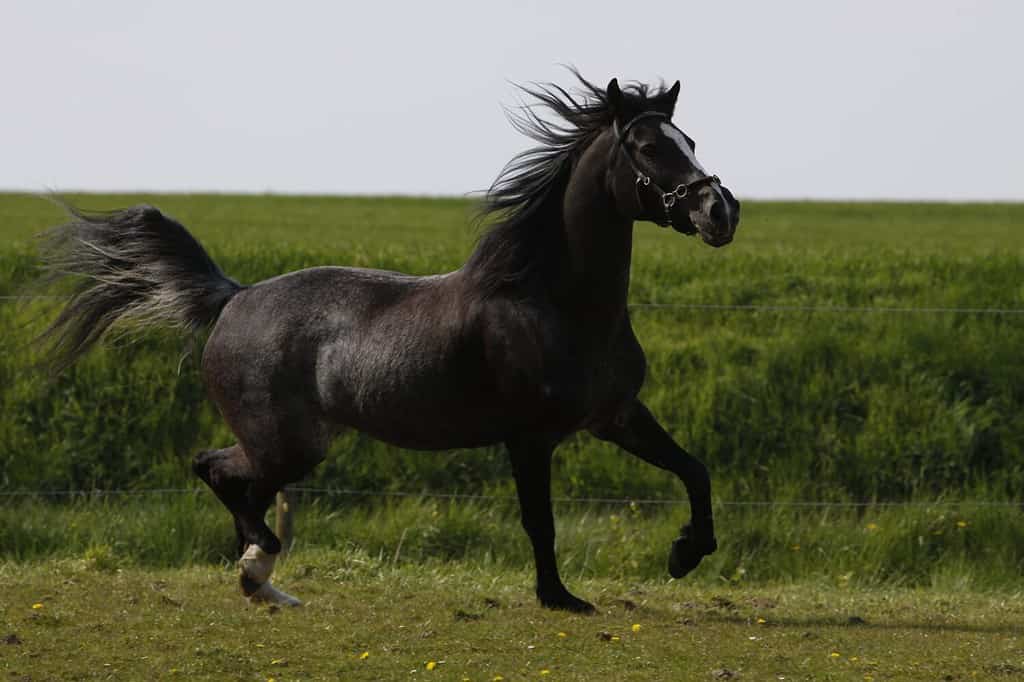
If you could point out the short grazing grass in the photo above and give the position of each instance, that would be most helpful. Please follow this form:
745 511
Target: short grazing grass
368 620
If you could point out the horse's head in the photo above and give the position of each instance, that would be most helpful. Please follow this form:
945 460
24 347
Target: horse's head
655 175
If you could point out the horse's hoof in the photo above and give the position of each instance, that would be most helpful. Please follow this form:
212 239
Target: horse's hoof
268 594
687 553
565 601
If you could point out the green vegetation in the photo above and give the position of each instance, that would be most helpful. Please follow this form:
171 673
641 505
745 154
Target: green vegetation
960 547
783 405
780 404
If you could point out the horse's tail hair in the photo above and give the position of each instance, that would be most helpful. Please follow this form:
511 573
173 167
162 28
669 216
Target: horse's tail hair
133 266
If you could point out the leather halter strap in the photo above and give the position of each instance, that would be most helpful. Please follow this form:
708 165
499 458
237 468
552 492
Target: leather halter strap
668 199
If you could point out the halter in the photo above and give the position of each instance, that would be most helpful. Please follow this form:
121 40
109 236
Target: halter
668 199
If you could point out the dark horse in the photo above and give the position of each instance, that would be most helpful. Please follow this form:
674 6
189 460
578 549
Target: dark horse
527 343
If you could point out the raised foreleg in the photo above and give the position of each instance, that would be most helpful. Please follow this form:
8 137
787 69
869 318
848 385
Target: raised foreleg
638 432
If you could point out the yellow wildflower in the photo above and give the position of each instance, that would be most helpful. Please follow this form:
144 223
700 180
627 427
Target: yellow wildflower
615 638
961 524
431 665
834 654
636 627
545 672
562 634
363 656
761 621
37 606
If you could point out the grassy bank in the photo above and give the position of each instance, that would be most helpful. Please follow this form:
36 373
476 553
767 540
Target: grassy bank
821 402
966 546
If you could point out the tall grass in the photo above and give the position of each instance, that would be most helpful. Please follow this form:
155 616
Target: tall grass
968 547
781 404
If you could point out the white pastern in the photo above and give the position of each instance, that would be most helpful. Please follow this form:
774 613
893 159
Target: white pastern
257 564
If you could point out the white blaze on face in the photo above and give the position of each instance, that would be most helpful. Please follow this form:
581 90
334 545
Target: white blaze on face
674 134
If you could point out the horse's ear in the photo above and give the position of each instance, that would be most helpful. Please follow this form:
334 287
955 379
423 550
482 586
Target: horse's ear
671 95
614 97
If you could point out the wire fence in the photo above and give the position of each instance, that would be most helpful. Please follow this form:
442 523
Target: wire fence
744 307
723 307
478 497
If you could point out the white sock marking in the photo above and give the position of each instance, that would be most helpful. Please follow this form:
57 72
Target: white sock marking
257 564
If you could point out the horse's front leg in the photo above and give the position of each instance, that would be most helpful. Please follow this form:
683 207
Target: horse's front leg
638 432
531 465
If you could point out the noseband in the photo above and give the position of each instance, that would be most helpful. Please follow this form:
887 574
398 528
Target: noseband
668 199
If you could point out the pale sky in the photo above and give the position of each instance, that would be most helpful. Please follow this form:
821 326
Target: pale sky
786 99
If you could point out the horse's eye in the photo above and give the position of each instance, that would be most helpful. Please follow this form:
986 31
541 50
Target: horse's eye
648 148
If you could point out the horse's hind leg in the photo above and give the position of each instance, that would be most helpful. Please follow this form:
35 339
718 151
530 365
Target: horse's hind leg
247 495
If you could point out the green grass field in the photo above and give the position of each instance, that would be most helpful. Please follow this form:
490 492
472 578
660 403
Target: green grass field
875 404
810 398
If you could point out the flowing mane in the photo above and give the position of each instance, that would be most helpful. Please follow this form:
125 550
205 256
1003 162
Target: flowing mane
524 193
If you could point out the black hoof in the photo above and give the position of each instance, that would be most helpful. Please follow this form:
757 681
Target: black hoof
565 601
687 553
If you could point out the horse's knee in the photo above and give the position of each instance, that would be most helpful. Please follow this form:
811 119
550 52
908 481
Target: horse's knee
227 471
201 464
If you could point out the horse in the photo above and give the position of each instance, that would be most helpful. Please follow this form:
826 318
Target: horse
529 342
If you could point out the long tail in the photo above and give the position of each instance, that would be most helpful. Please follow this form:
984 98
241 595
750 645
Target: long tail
133 266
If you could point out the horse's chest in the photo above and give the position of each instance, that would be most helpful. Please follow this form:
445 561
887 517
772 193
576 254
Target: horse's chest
564 389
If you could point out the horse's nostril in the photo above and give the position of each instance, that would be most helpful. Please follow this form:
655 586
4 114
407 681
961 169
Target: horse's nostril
718 213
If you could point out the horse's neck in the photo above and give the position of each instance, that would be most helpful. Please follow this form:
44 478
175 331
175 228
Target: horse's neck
598 241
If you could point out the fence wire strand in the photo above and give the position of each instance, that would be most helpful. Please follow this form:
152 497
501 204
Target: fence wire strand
752 307
348 492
